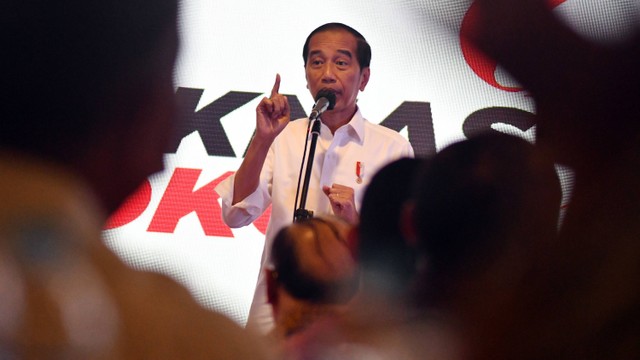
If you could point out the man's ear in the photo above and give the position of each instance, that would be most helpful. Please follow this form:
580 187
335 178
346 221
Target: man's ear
272 287
364 78
408 224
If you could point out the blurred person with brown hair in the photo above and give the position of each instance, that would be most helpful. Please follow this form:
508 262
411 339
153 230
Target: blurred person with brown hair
87 112
314 274
583 300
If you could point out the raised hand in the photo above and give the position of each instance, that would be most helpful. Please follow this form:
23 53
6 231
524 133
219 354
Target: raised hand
272 114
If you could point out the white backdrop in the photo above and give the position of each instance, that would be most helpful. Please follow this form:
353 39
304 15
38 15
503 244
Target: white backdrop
238 46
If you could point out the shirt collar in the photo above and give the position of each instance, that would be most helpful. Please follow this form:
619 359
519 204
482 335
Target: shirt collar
357 125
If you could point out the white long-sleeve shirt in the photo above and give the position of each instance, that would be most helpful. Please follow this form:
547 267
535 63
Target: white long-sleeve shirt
358 144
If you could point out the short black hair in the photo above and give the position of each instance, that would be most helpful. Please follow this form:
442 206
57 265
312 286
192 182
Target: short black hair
363 49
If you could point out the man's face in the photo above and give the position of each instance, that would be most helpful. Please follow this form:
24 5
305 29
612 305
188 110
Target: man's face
332 64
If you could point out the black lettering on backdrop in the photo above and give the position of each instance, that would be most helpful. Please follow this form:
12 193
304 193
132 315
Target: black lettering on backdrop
297 112
416 116
480 121
207 120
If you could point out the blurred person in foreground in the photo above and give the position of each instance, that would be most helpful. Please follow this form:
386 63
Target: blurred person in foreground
480 210
87 112
584 300
387 259
314 275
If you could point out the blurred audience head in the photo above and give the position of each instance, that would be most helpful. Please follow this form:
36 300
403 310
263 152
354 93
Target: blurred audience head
89 86
387 260
480 207
314 273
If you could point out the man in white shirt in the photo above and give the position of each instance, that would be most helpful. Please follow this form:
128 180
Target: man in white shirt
349 150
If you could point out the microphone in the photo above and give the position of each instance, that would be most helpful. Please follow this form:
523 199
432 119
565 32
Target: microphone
325 100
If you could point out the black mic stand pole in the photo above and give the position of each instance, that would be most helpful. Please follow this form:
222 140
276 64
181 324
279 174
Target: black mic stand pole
301 213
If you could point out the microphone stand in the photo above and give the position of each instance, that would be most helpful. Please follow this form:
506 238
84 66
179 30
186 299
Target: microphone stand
301 213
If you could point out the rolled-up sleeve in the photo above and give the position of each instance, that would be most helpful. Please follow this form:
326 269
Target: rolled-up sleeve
244 212
250 208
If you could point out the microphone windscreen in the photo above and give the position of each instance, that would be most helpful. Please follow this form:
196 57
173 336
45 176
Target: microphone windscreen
329 94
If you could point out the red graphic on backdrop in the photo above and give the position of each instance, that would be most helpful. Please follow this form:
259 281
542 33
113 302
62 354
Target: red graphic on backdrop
180 199
133 207
262 222
483 66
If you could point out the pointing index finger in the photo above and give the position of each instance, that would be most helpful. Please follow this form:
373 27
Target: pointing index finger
276 86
